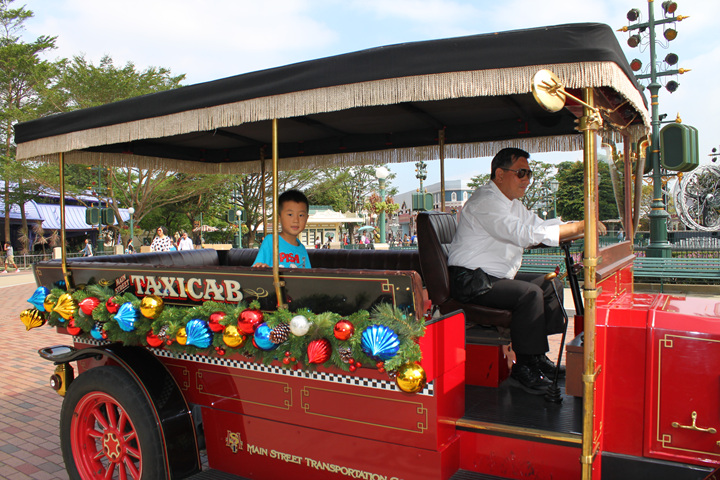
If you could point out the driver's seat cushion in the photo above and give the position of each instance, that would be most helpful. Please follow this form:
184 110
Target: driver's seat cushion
435 234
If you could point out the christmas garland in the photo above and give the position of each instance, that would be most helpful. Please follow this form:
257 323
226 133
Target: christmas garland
385 339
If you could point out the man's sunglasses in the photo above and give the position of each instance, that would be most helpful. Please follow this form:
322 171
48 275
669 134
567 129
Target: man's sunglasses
520 173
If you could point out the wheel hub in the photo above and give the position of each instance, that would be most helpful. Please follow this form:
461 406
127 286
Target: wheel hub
111 446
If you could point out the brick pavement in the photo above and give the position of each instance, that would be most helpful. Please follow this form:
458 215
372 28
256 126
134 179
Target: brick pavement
29 408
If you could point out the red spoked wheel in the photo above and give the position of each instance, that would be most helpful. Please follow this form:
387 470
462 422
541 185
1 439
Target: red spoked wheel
108 430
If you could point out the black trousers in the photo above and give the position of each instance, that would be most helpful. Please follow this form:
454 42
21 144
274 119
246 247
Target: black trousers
536 312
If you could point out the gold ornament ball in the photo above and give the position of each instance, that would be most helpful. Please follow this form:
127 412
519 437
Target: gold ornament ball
32 318
181 336
411 377
233 338
66 306
151 306
49 302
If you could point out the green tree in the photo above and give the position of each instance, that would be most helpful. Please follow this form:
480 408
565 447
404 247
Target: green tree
571 196
83 84
23 75
349 189
478 180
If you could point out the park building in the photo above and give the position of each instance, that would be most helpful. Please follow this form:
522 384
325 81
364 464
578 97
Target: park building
456 194
42 215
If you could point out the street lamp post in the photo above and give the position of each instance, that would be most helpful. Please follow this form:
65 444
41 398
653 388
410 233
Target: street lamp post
554 185
238 237
382 173
131 211
659 245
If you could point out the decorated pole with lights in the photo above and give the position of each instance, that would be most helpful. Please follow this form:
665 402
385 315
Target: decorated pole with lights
659 245
382 173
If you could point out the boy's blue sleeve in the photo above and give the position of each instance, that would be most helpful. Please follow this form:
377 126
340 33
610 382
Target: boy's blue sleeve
265 252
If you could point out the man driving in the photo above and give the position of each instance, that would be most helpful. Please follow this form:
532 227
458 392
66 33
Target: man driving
485 256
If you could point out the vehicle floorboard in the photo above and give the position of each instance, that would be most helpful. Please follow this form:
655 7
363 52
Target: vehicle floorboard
510 411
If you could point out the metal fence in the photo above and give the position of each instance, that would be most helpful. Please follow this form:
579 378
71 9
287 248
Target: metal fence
26 261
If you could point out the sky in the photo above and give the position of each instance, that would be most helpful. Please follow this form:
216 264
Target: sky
220 38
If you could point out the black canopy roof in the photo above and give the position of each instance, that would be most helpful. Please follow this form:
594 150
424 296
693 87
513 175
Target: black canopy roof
380 105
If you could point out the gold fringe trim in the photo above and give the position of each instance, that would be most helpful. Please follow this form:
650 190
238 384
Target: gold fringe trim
420 88
381 157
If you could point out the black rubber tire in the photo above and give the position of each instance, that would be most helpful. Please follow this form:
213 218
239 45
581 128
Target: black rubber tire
116 385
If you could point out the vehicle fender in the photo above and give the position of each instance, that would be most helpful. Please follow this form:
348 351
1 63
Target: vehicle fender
169 407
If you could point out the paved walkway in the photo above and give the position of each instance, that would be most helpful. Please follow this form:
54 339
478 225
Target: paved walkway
29 408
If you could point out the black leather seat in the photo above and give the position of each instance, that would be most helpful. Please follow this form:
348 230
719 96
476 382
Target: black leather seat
435 232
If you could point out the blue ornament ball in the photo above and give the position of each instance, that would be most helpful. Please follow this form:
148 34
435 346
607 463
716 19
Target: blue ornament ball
261 337
96 332
198 333
38 298
380 342
126 317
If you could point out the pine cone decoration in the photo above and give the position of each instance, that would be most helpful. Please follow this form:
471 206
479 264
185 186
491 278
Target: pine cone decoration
280 333
345 354
163 333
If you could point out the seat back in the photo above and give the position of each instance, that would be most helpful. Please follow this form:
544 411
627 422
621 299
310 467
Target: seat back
435 231
435 234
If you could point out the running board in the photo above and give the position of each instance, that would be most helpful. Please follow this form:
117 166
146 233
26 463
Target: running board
216 475
532 434
468 475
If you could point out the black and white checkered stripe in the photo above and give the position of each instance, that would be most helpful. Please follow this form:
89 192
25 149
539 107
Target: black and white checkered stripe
348 379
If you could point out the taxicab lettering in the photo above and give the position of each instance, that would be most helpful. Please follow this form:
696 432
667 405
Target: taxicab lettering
179 288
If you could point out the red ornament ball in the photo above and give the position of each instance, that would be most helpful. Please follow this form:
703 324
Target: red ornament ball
111 306
153 340
343 330
220 351
214 322
87 305
72 329
358 364
352 368
319 351
286 360
249 320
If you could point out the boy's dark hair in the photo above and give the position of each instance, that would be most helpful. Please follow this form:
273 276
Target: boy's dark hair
505 158
292 196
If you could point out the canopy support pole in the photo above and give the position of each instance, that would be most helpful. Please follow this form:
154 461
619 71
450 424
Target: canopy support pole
276 239
441 139
627 193
263 172
63 243
589 125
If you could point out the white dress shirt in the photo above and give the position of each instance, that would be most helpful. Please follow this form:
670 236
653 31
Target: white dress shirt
185 244
493 232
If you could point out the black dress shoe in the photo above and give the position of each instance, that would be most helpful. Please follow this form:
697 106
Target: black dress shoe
529 378
547 367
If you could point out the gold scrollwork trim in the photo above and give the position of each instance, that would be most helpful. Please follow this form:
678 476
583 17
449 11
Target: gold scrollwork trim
259 293
663 438
286 403
421 425
185 385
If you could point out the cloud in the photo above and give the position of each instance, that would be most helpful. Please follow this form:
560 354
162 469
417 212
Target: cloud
206 40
